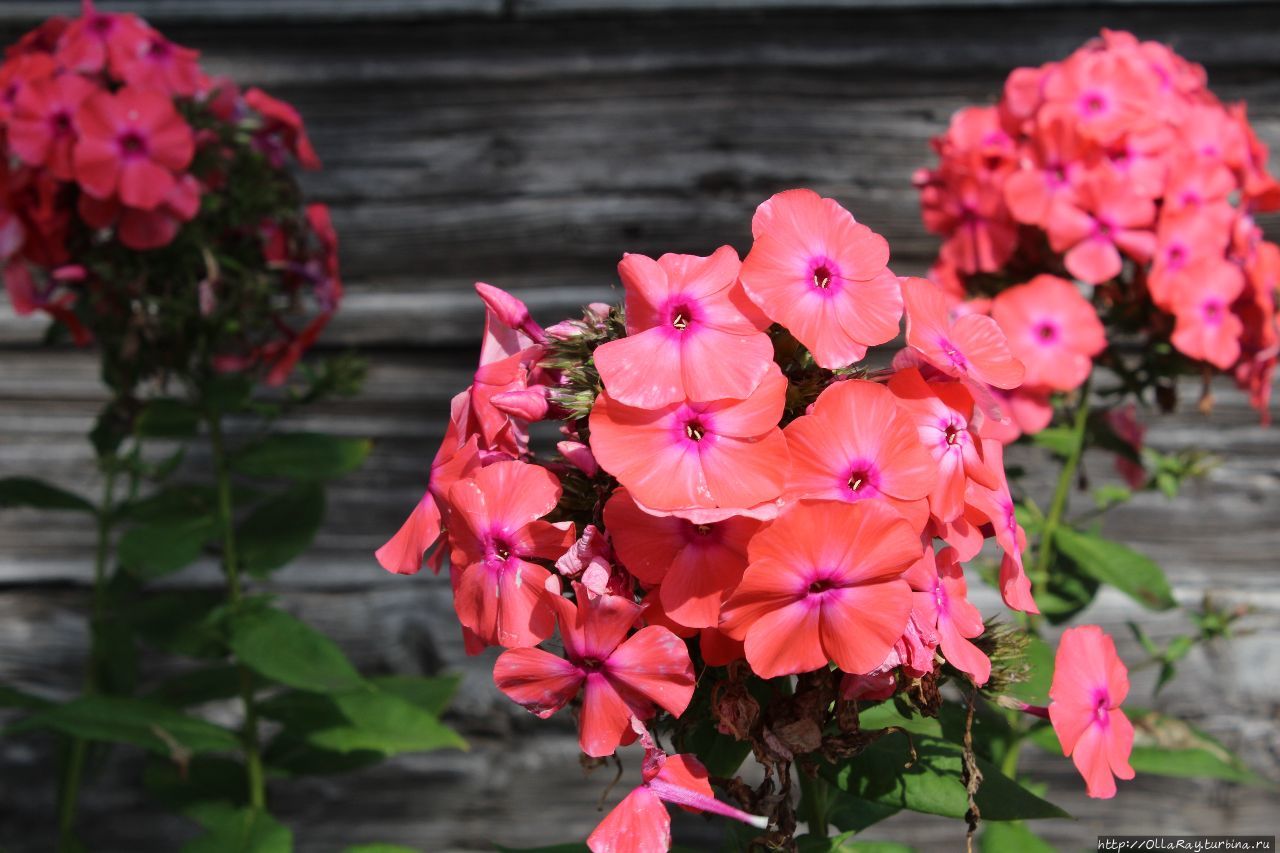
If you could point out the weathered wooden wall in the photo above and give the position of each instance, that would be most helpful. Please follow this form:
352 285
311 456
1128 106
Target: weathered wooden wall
529 143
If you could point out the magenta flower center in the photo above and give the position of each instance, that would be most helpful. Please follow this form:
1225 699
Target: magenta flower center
824 274
1093 103
1212 311
1101 706
132 144
102 24
499 548
680 319
61 123
591 664
1176 256
1046 332
158 49
694 430
818 587
952 434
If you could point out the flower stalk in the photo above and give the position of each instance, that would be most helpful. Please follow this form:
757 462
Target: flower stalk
231 569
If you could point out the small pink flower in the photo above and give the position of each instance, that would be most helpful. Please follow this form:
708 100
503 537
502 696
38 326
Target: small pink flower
995 507
501 593
808 596
1089 684
620 677
42 130
692 334
640 823
943 413
971 347
1052 330
697 565
822 275
724 455
1207 329
1105 218
132 143
857 444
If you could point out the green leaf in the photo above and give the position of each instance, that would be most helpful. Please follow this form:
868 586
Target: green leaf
199 686
1068 592
285 649
846 842
384 723
1119 565
280 529
11 697
381 848
227 393
143 723
233 830
1012 835
855 814
187 622
885 773
37 494
302 456
1038 659
164 546
1060 441
205 778
430 694
1167 746
166 417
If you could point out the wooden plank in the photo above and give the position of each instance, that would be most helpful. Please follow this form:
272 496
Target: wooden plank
163 12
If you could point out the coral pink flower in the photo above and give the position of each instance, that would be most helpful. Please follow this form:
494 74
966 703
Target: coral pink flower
95 39
725 455
995 506
1052 330
403 552
970 348
1089 684
943 412
131 142
809 596
857 444
619 678
1029 410
501 595
155 62
281 119
822 275
640 823
42 129
944 603
698 565
1104 93
691 333
1189 249
1107 217
1053 166
1207 329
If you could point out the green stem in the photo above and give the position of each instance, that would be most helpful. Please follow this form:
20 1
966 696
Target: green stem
1044 553
69 795
231 568
814 802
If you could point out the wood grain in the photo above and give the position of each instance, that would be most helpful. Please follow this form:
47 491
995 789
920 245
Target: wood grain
530 143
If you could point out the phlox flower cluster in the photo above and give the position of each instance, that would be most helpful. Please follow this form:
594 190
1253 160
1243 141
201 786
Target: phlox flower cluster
737 492
134 186
1109 198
